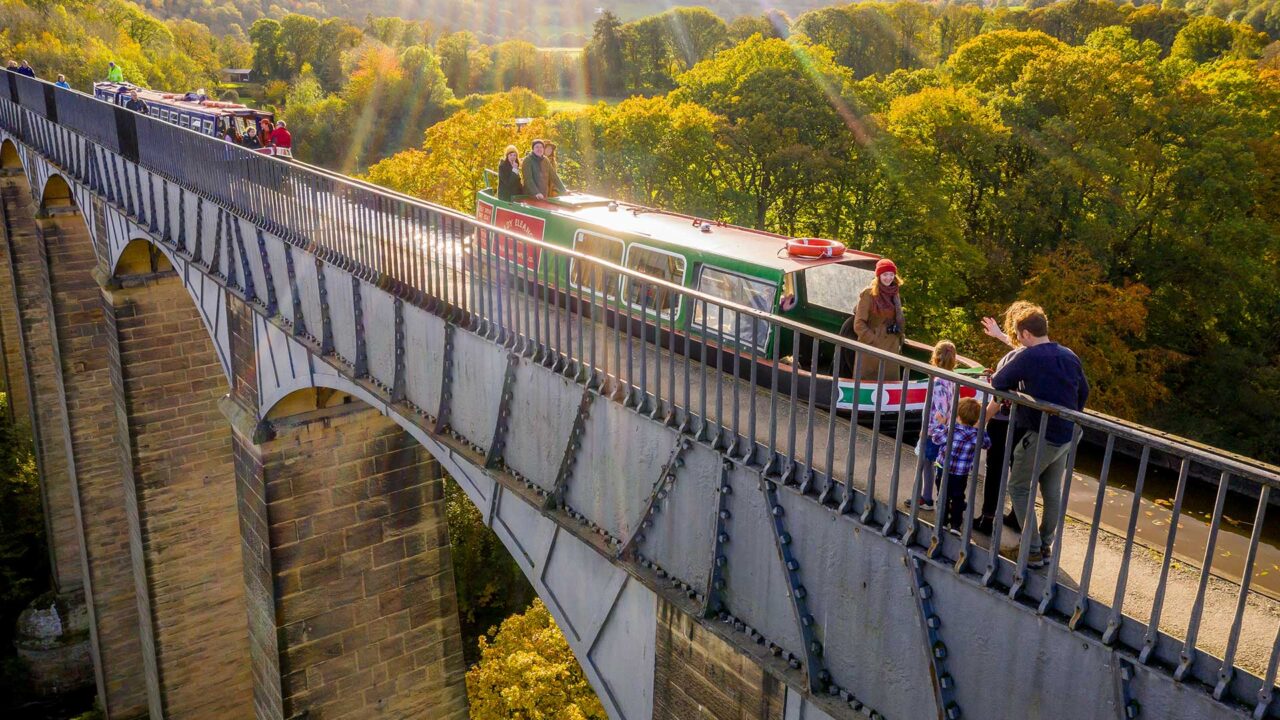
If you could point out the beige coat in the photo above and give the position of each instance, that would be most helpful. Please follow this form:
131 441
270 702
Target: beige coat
870 326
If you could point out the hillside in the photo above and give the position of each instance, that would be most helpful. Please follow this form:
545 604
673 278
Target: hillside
564 23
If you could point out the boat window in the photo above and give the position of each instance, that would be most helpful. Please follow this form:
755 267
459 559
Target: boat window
836 286
208 127
655 263
590 275
739 289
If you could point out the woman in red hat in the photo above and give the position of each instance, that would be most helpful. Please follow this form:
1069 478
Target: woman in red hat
878 321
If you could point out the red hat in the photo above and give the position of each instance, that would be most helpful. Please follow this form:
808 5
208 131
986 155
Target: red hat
886 265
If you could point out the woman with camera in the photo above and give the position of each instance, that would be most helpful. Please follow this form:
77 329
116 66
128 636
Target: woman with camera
878 321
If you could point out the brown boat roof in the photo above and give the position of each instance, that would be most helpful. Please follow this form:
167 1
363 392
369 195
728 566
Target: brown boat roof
175 100
747 245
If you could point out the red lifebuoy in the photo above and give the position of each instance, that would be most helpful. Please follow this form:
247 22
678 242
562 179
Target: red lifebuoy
814 248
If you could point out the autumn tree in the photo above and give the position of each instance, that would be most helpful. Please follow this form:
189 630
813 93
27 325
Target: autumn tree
449 166
1105 325
527 672
781 103
489 584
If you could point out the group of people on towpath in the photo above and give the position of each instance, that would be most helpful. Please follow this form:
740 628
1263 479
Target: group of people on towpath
24 68
1034 365
535 175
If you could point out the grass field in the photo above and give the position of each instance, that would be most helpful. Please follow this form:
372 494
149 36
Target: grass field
574 103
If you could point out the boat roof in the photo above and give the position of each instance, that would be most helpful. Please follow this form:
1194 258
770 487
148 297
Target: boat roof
757 247
175 100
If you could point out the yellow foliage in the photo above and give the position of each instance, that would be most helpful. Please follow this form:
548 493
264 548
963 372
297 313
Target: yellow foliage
1105 325
527 672
449 167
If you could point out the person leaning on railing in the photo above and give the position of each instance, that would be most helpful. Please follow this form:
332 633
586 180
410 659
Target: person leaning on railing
281 139
1050 373
992 502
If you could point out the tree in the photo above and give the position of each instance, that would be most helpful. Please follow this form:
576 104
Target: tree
604 56
1208 38
516 63
1071 21
299 38
397 32
458 55
744 27
861 37
1157 24
269 59
527 672
489 584
995 60
334 38
652 151
779 100
23 558
449 166
1105 325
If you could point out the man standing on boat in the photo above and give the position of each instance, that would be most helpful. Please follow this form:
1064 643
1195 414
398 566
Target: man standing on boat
1052 373
539 174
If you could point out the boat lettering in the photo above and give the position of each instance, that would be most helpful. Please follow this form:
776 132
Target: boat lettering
526 225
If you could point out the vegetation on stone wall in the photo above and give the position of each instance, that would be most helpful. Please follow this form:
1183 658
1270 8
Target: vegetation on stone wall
24 558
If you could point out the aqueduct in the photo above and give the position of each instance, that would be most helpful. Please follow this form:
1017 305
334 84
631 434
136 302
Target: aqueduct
246 381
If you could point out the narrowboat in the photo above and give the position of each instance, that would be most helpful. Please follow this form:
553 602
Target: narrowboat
808 284
192 110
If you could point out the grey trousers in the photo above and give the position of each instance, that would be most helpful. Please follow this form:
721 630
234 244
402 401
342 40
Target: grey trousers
1048 474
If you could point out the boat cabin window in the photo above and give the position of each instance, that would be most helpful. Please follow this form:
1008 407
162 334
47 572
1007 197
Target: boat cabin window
739 289
836 286
655 263
590 275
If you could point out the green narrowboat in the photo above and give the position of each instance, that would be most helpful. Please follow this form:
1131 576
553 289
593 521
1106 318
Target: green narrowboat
745 266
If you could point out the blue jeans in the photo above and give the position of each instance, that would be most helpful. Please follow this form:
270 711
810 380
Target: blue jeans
928 452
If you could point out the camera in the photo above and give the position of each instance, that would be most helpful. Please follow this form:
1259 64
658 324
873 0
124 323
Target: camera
893 329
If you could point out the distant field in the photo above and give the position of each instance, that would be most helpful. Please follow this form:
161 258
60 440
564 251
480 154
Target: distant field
569 104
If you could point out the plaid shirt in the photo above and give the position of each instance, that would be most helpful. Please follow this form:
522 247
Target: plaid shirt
964 444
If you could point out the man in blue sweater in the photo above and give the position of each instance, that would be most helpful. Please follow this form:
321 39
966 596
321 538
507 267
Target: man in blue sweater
1051 373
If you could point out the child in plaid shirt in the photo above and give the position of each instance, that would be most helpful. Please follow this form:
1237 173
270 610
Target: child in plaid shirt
957 461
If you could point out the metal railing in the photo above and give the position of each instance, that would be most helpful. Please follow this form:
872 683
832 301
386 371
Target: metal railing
709 378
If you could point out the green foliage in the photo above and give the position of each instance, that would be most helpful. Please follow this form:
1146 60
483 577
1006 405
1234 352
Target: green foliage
488 582
23 558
